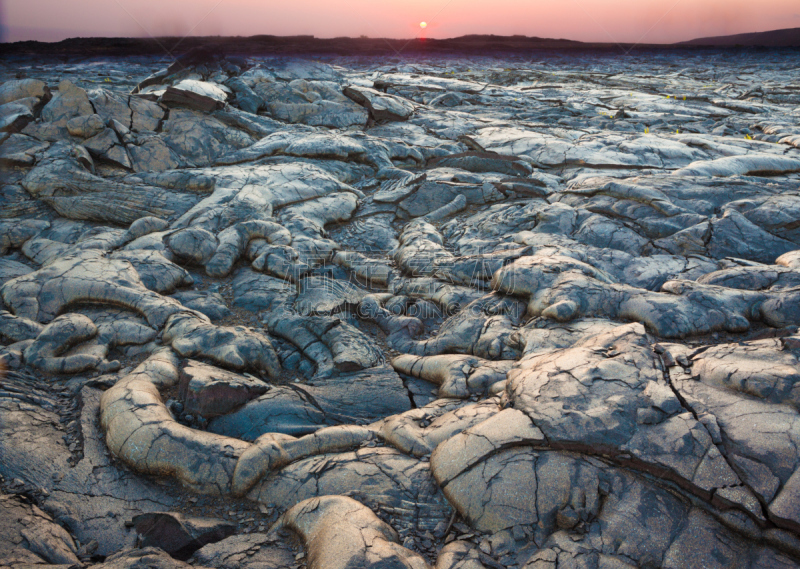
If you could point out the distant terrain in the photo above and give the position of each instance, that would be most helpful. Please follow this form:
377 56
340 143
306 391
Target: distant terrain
789 37
299 45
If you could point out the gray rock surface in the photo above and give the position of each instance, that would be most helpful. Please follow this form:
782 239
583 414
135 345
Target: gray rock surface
462 313
29 536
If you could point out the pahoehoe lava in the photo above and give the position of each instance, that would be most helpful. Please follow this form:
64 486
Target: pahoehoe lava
536 310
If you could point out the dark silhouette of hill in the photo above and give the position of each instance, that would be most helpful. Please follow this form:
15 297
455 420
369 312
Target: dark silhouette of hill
292 45
789 37
308 45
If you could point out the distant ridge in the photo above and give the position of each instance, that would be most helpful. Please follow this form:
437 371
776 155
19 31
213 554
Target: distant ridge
299 45
310 45
789 37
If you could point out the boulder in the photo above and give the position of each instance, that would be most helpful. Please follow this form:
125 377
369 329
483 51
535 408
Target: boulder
178 535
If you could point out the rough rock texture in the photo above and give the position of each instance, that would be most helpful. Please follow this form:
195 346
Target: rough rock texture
67 102
251 551
339 532
45 352
209 391
179 535
462 313
380 105
87 494
141 430
148 557
356 397
28 536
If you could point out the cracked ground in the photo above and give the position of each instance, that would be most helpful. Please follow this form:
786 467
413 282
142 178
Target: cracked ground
535 311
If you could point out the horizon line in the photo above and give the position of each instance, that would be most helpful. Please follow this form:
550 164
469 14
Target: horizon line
384 38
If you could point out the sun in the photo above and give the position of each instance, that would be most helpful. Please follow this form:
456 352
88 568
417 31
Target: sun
423 25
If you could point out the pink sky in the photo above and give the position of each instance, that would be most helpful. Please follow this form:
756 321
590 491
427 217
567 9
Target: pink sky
655 21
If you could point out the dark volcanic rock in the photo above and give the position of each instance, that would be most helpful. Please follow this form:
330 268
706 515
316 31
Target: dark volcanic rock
483 162
210 391
457 312
178 535
186 98
297 409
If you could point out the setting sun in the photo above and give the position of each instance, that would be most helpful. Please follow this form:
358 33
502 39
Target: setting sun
423 24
